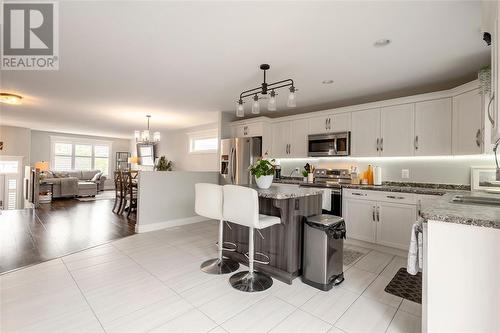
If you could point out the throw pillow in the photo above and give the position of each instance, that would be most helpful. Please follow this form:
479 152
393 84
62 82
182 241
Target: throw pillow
96 177
61 174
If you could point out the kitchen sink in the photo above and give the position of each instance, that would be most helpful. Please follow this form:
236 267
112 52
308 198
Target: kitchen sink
476 200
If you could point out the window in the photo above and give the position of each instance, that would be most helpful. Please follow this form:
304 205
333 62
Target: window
203 142
80 154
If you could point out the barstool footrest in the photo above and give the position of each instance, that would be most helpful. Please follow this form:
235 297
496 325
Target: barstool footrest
232 247
266 260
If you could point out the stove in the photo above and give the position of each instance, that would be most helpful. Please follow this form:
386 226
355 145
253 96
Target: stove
332 180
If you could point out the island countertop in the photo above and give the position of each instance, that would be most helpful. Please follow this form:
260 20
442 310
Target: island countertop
285 192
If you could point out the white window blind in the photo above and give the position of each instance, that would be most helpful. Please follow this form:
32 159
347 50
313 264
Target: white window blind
12 194
80 154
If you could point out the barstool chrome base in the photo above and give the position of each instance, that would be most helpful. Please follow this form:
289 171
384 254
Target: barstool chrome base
251 282
218 266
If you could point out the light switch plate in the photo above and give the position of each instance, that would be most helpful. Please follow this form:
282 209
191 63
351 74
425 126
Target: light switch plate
405 173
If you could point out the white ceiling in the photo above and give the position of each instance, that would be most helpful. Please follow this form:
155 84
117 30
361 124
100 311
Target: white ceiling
184 61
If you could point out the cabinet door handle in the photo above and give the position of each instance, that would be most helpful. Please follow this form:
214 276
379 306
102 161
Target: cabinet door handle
378 214
416 142
329 123
419 207
378 144
478 138
326 123
490 117
360 194
288 145
381 144
373 214
395 197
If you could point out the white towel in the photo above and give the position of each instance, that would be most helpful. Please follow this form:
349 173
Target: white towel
327 200
415 252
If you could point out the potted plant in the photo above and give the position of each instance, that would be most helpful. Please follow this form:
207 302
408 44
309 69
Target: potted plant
163 164
263 171
305 174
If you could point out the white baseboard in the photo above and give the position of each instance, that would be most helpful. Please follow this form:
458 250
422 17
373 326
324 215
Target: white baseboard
167 224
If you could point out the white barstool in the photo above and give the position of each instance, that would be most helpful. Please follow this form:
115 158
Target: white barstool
208 203
241 206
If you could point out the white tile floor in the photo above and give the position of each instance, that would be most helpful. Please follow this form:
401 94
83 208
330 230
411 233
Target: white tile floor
152 283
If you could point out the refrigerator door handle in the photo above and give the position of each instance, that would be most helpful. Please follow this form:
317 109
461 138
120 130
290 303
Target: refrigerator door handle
231 162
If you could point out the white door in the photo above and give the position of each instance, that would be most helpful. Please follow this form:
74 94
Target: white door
365 132
467 124
340 122
359 216
281 139
319 125
394 224
433 127
298 137
397 130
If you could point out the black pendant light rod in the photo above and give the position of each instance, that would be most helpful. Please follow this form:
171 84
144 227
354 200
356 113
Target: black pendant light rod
266 86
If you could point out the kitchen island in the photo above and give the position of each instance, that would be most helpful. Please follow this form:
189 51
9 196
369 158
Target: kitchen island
281 242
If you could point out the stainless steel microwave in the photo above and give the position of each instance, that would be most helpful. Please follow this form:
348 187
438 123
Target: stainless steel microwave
329 144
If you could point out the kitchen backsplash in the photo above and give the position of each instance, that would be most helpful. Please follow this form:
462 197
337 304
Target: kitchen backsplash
439 169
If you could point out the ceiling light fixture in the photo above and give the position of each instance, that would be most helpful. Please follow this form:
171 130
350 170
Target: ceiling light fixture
382 42
10 98
327 82
271 104
144 136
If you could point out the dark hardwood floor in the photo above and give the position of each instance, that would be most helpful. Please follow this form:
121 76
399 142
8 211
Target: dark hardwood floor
64 226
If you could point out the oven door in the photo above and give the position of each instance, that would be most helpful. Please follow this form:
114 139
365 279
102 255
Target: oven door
336 203
321 145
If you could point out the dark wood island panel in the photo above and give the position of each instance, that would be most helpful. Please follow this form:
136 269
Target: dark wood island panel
281 242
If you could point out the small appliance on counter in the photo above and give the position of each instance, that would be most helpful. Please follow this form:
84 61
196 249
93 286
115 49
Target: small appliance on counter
277 170
324 251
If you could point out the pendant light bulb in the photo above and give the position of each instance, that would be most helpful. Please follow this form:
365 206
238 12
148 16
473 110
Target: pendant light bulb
271 104
291 103
255 105
240 111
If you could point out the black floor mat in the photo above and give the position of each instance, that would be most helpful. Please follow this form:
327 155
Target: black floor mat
406 285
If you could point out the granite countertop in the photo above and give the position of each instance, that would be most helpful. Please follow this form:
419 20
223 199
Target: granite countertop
280 193
416 188
470 214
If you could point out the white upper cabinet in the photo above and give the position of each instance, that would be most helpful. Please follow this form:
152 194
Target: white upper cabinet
339 122
397 130
433 127
319 125
290 138
365 135
298 137
467 123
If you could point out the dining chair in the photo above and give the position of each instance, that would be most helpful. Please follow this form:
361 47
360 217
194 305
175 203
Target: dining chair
119 196
130 193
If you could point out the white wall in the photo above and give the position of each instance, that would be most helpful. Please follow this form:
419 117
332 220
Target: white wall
175 146
440 169
166 198
16 142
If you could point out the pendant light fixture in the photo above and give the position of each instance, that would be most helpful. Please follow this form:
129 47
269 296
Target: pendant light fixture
145 135
263 89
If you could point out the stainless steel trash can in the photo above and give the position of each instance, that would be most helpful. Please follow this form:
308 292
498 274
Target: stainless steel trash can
323 251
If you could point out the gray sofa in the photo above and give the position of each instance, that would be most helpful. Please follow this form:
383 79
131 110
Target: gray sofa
73 183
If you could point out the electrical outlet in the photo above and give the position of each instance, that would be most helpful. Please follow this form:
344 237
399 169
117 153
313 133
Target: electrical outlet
296 169
405 173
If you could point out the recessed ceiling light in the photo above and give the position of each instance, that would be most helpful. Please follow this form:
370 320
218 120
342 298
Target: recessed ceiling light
327 82
382 42
10 98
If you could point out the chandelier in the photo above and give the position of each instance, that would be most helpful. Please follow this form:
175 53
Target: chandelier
145 136
263 90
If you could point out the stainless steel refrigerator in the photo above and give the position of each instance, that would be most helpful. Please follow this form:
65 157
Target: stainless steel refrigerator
237 155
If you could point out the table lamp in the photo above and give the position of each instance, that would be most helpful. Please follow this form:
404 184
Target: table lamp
42 166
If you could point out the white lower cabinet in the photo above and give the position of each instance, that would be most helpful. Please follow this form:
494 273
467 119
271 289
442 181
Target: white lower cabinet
359 216
380 217
394 223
